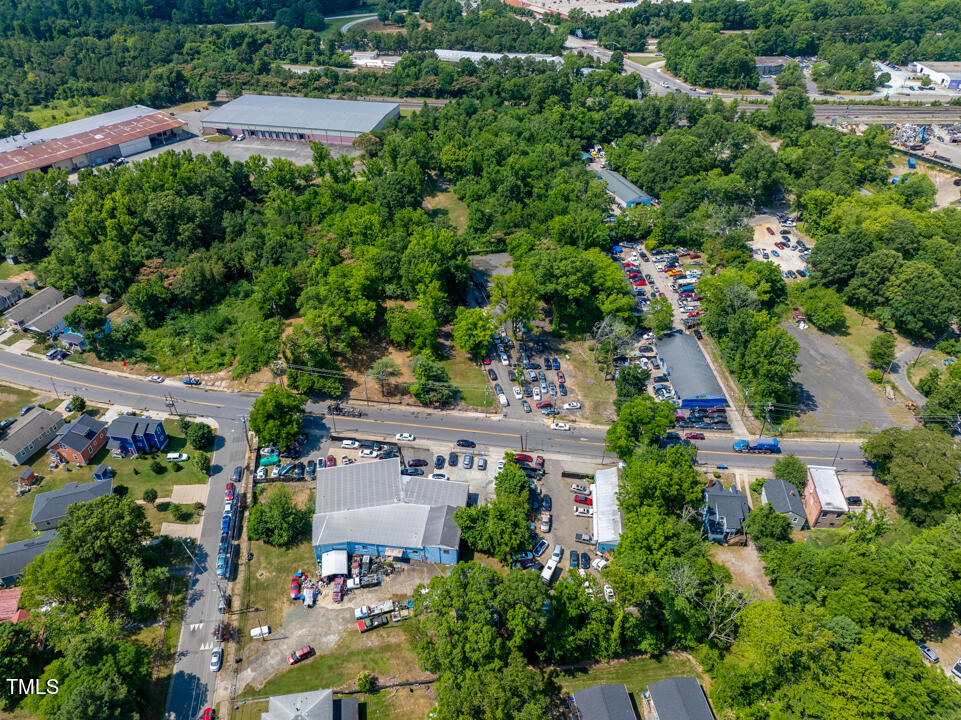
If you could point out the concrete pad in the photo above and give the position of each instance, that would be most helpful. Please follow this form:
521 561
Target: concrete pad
181 530
189 494
21 346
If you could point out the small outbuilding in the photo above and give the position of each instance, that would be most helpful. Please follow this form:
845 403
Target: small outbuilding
333 563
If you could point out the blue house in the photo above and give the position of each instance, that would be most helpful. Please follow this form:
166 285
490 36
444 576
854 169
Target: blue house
133 435
369 508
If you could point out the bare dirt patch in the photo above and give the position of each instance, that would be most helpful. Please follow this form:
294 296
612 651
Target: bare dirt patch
869 489
746 568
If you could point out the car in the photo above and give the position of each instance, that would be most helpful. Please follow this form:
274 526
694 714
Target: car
482 463
539 548
539 462
572 406
332 461
216 659
563 390
770 230
311 469
177 457
404 436
556 364
349 444
552 388
956 670
694 436
545 522
697 334
438 476
155 378
452 459
237 474
775 253
666 84
557 554
853 500
487 360
518 393
367 453
609 593
928 654
301 654
208 713
25 409
585 561
190 381
561 378
583 500
522 457
575 558
547 503
544 404
536 393
500 465
582 489
560 426
417 462
526 405
492 375
411 471
468 461
439 462
583 511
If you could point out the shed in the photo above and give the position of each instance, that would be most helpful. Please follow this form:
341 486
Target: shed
27 476
333 563
102 472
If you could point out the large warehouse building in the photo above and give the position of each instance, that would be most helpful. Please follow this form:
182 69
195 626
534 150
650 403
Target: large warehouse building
333 122
91 141
369 508
690 373
945 74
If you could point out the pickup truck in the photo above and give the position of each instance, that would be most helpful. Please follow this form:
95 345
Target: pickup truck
372 622
763 445
366 611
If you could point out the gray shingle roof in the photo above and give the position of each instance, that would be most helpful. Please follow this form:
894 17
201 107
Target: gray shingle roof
29 308
690 374
9 288
128 426
31 426
605 702
54 315
14 557
783 496
53 505
680 698
728 503
301 114
316 705
77 435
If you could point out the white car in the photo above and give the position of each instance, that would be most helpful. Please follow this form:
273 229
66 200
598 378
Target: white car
275 471
518 393
368 453
216 659
504 359
261 473
608 593
600 563
404 436
537 394
580 489
572 406
666 84
502 399
438 476
177 457
588 589
583 512
560 426
500 466
155 379
350 444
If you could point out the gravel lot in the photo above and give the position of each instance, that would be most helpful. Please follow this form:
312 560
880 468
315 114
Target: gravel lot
764 241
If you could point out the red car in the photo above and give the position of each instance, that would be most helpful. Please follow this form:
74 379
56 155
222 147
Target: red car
694 436
560 377
416 462
583 500
541 404
302 654
521 457
628 264
487 361
770 231
694 256
208 714
295 588
331 461
640 282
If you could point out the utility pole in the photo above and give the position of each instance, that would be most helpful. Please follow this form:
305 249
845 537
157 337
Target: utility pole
767 418
366 399
836 453
243 419
54 385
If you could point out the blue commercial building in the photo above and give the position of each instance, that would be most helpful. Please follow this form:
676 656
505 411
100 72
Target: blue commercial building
133 435
369 508
625 193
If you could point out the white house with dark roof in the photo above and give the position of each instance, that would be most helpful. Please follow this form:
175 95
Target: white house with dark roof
604 702
724 512
10 294
29 435
785 499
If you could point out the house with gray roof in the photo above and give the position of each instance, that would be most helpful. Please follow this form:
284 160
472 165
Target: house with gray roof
14 557
604 702
10 294
53 322
785 499
78 441
29 435
724 512
50 508
315 705
32 307
678 698
369 508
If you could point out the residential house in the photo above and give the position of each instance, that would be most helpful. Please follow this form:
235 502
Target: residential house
10 610
604 702
78 441
316 705
29 308
16 556
53 321
132 435
72 341
678 698
50 508
824 502
29 435
785 499
10 294
724 512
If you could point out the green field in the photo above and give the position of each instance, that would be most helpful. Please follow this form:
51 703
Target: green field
644 59
470 380
57 112
447 204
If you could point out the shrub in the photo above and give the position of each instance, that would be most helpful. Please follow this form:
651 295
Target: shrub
875 376
78 404
157 467
365 681
758 485
150 496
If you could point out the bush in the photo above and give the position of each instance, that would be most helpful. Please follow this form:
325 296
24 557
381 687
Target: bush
150 496
157 467
758 485
78 404
179 512
875 376
365 682
203 462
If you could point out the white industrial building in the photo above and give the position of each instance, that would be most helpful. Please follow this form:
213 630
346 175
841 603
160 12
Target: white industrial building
943 74
608 523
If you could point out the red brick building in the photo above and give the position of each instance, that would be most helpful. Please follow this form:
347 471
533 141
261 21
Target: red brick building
79 441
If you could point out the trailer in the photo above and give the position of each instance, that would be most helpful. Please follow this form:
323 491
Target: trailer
403 611
372 622
762 445
366 611
364 581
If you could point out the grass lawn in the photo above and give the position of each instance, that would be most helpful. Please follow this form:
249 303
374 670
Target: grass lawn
927 362
861 331
8 270
215 138
12 338
635 674
449 205
588 383
12 399
644 59
267 579
469 379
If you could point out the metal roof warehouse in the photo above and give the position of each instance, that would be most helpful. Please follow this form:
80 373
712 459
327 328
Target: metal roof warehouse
626 193
90 141
690 374
335 122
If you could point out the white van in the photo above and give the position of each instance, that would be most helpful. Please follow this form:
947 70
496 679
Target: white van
260 632
547 574
177 457
350 444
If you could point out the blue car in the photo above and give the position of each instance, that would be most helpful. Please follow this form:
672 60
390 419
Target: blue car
190 381
556 363
225 524
411 471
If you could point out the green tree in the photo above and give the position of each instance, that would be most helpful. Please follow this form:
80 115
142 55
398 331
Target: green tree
790 76
431 384
881 350
664 480
203 462
498 528
149 496
661 315
517 297
78 403
824 309
276 521
642 419
150 300
86 319
384 369
275 292
276 416
631 381
472 330
922 302
770 362
791 469
22 655
366 681
767 527
200 436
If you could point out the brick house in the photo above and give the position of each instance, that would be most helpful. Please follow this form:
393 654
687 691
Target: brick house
824 502
79 441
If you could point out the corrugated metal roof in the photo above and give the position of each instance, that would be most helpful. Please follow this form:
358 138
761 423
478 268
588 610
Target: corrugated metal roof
690 374
300 114
624 190
63 142
379 482
607 514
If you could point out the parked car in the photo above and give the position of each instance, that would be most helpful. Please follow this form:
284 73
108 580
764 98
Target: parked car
547 503
539 462
177 457
583 511
216 659
582 489
539 548
560 426
928 654
416 462
526 405
694 436
25 409
190 381
583 500
452 459
311 469
367 453
300 654
518 393
439 462
466 443
853 500
332 461
572 406
468 461
575 559
350 444
563 390
155 378
438 476
481 463
404 436
561 378
411 471
609 593
544 404
556 364
492 375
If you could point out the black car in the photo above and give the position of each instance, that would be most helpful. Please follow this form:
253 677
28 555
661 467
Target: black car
416 462
411 471
563 390
585 561
853 500
466 443
238 474
532 366
299 470
311 469
387 454
439 462
643 256
575 559
547 503
492 375
452 459
697 334
7 423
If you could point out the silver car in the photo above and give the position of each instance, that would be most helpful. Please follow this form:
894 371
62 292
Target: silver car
468 461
